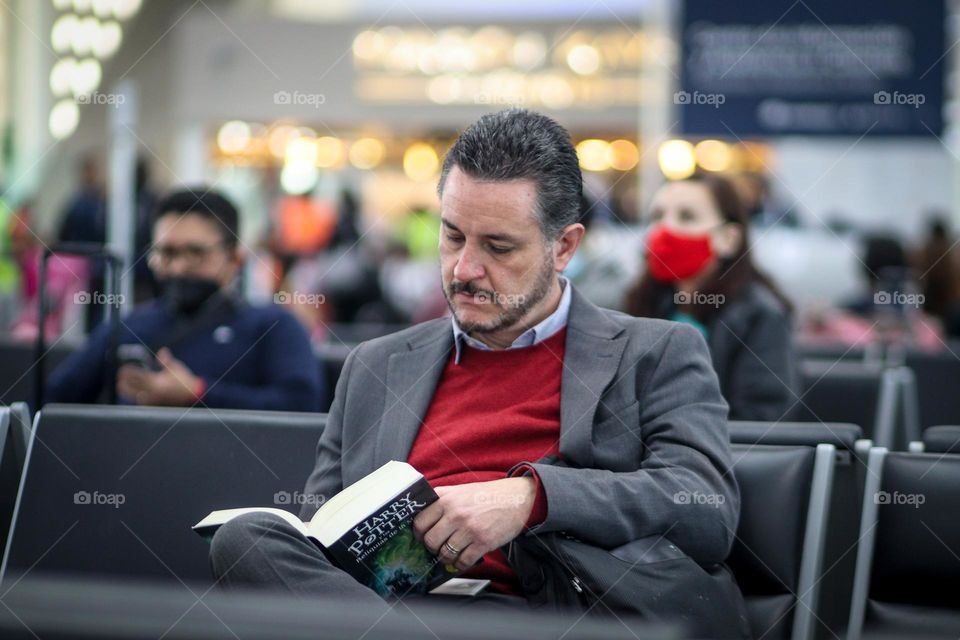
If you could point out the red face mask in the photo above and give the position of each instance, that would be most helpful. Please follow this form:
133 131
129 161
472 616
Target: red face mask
672 256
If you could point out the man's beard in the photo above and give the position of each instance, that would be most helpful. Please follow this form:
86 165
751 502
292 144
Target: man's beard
509 315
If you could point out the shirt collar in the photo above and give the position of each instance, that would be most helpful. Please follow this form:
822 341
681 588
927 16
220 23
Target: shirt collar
534 335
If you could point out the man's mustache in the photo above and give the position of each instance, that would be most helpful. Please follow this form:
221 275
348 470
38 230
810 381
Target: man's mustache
470 288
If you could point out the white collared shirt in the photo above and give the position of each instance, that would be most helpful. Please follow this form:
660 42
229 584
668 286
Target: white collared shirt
534 335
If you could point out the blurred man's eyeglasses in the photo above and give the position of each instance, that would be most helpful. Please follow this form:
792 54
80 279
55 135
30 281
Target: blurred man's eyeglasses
192 254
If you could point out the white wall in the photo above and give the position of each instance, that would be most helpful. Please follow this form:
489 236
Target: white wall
876 184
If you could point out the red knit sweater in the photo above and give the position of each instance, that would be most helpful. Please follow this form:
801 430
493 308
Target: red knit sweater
491 411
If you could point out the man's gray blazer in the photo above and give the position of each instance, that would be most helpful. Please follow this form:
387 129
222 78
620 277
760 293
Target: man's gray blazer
643 432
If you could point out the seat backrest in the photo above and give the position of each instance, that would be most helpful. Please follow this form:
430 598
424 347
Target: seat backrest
114 490
9 475
843 436
779 546
21 424
907 564
868 395
14 438
942 439
833 352
937 375
842 391
15 430
17 375
67 608
846 499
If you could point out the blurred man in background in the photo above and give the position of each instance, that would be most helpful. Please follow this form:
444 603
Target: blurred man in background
199 343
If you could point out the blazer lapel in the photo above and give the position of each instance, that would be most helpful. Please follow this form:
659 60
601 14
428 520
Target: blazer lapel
412 378
594 346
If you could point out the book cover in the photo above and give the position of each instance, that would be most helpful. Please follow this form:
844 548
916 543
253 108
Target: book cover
382 552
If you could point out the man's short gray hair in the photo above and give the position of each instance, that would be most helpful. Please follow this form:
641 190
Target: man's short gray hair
515 144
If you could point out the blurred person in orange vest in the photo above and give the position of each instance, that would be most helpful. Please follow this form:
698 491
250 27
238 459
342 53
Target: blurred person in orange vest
302 226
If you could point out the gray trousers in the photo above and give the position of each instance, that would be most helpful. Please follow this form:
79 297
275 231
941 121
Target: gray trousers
262 551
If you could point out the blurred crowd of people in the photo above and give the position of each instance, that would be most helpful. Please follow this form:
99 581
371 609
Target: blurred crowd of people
687 257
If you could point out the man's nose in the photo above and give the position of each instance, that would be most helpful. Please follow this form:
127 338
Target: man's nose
468 266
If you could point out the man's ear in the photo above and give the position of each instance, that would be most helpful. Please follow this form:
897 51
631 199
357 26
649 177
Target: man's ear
727 239
566 245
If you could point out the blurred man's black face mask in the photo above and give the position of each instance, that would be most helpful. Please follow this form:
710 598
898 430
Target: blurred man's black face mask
184 295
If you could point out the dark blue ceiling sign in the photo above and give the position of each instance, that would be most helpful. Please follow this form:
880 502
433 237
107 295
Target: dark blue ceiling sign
812 67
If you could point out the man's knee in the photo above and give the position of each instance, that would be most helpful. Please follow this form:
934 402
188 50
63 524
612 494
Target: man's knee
235 539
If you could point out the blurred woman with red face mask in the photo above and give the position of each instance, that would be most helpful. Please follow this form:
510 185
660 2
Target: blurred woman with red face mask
699 271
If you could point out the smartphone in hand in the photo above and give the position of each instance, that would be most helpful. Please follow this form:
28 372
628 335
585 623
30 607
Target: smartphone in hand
137 355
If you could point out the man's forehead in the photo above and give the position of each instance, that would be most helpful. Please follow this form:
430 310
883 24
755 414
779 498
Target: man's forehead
683 192
187 226
509 204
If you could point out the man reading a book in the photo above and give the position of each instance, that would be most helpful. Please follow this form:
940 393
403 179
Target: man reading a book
529 410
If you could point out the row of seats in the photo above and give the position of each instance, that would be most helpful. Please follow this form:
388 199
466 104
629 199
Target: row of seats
880 543
113 491
936 373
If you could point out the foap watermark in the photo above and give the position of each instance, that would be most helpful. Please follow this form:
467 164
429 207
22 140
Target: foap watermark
500 299
899 299
695 497
910 499
499 99
699 298
297 98
499 499
97 297
96 498
696 97
287 498
107 99
910 99
301 298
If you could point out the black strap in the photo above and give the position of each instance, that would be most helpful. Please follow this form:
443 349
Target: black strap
218 309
